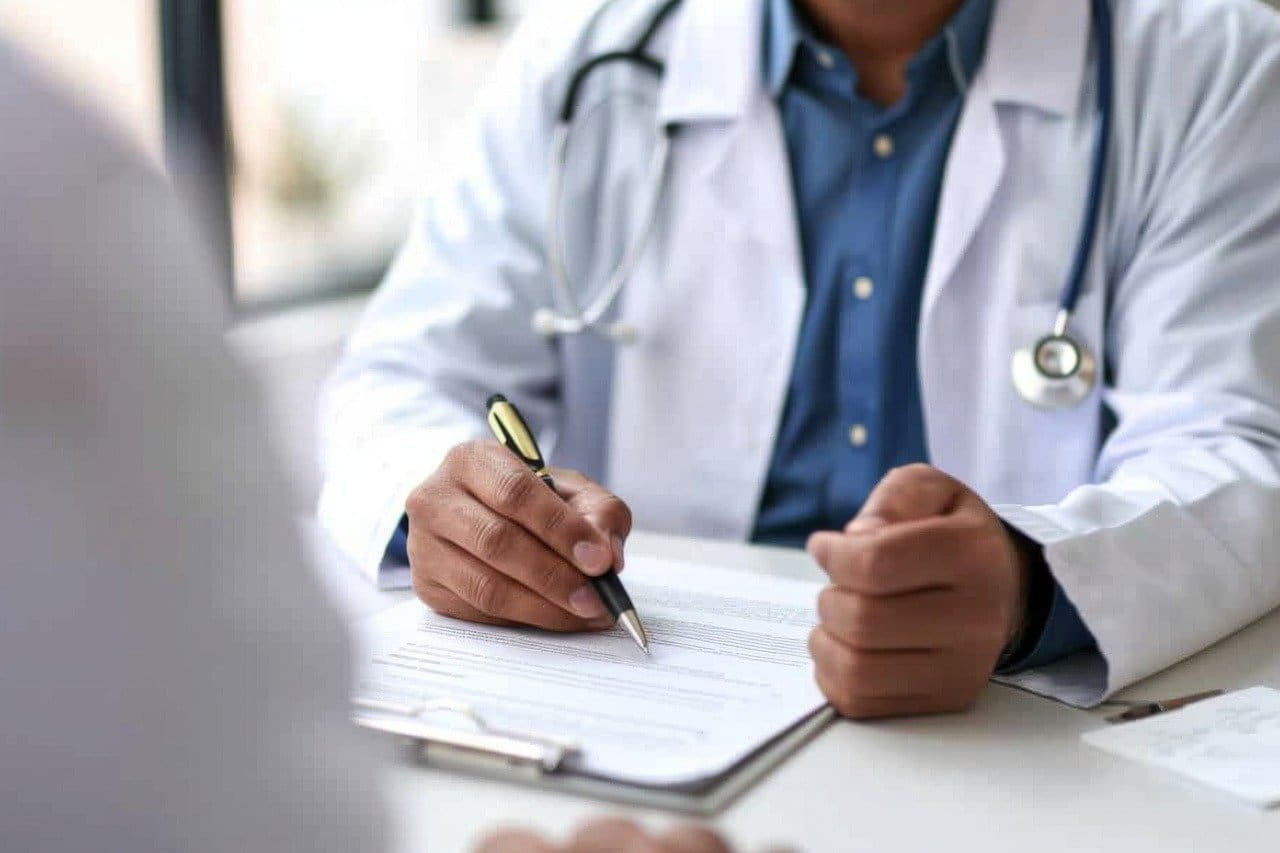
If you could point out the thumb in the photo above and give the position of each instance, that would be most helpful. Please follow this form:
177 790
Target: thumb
905 494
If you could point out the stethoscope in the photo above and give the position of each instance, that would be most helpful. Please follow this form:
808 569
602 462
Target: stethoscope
1056 371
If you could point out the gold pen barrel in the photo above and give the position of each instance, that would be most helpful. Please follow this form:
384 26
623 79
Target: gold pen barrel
510 429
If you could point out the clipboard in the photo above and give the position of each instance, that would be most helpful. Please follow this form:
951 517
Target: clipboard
534 761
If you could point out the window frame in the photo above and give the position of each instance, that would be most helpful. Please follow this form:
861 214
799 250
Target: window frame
197 139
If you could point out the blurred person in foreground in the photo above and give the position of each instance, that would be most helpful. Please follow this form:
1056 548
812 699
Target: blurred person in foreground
171 678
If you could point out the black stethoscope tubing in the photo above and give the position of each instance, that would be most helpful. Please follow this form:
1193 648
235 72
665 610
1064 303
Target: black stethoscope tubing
638 55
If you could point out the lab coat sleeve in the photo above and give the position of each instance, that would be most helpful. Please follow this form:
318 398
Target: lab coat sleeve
450 325
1177 544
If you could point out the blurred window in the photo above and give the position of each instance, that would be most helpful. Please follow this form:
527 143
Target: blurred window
335 110
321 111
314 128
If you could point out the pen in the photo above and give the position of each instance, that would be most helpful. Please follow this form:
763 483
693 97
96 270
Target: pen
1142 710
511 430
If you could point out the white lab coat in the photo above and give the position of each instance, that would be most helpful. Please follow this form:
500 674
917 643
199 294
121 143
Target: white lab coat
1162 527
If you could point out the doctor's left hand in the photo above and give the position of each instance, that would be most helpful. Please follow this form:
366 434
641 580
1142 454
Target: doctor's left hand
928 587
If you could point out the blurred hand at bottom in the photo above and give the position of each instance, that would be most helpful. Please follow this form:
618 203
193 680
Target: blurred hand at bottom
612 835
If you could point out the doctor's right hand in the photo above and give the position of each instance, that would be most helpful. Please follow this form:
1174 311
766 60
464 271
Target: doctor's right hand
489 542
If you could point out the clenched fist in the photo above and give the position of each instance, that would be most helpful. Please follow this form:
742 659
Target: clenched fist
927 588
489 542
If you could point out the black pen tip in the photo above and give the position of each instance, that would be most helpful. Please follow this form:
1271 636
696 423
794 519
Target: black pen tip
495 399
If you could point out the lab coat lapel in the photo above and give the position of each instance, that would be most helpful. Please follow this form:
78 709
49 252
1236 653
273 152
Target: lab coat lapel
975 168
724 296
1035 57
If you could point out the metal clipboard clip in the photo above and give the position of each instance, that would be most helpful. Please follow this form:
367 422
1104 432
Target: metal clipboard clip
420 724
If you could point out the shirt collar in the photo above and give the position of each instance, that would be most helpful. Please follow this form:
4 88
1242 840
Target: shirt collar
962 42
783 34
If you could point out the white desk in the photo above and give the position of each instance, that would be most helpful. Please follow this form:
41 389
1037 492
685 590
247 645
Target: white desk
1012 775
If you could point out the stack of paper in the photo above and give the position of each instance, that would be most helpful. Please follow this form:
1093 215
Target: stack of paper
729 672
1231 743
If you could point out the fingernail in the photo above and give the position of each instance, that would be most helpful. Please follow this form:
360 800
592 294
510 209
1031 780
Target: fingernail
618 546
586 603
592 557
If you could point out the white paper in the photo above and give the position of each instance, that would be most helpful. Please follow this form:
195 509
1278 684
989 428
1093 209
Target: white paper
729 671
1230 742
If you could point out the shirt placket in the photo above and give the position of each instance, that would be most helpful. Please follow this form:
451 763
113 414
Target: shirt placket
865 277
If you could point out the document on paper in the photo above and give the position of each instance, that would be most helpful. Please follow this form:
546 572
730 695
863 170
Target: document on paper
1231 743
729 672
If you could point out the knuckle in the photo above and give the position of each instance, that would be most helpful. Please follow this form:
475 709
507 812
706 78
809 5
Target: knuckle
485 593
858 622
842 697
982 529
898 477
919 472
459 456
828 605
423 501
617 512
547 577
849 669
837 662
814 646
843 611
418 502
433 595
877 566
557 517
421 549
512 489
491 538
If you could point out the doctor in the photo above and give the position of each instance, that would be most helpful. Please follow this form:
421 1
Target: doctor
977 299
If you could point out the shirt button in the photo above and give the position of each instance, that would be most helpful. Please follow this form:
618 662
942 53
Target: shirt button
858 435
863 287
825 59
883 145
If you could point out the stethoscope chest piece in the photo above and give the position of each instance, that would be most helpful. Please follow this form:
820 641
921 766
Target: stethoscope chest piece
1057 372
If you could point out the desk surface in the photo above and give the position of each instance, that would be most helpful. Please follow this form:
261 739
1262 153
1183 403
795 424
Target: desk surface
1011 775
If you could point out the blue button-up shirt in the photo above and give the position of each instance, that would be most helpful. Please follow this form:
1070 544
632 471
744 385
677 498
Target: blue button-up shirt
866 183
